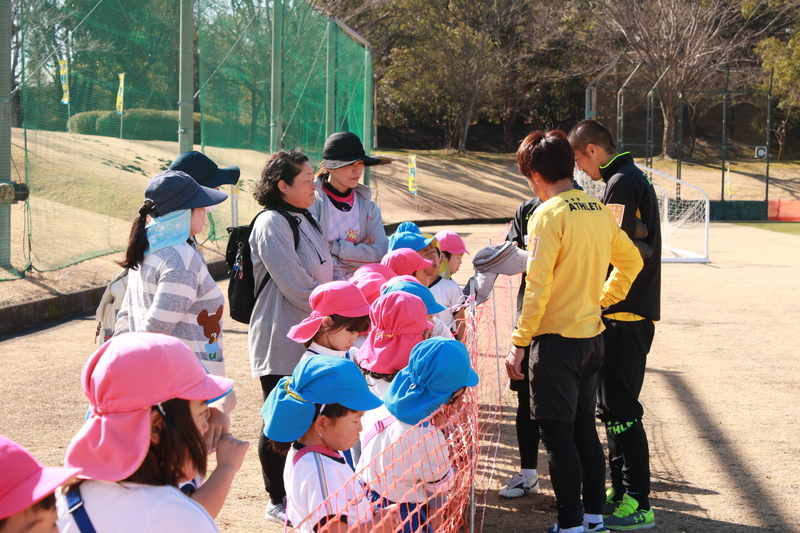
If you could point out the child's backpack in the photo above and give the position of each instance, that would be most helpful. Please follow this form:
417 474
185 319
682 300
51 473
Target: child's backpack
242 295
109 307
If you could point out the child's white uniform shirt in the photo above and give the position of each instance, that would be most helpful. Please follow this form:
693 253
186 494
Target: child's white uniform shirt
127 507
406 463
312 480
317 349
377 387
449 294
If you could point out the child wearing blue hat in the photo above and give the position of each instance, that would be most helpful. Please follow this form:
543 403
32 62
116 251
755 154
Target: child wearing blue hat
318 410
440 329
406 462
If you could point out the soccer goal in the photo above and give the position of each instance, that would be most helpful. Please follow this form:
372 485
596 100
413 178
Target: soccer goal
684 210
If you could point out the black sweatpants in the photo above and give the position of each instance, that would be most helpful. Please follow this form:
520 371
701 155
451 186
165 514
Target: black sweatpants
620 382
527 427
272 462
563 374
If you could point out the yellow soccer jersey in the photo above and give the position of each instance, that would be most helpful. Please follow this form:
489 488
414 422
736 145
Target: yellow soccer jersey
572 239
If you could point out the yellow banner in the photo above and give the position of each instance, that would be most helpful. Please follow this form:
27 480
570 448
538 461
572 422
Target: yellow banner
62 64
412 174
121 93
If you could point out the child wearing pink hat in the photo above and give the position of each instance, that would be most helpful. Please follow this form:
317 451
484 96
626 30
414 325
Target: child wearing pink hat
446 290
406 262
339 314
27 499
399 322
370 283
148 397
453 248
378 268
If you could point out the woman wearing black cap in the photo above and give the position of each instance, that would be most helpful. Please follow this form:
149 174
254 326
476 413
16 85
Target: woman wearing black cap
348 215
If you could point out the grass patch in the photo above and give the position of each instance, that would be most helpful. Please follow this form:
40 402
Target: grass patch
792 228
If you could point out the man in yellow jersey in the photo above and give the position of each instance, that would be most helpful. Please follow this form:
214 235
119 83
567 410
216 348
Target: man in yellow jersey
629 326
572 238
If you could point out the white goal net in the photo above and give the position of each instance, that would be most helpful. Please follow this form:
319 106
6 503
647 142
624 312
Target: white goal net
684 210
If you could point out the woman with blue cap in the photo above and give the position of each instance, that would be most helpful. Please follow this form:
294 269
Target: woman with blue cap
318 410
408 462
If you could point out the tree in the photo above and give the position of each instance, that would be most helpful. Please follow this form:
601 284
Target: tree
783 56
694 38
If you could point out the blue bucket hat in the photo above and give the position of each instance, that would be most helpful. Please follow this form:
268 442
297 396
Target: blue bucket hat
408 226
204 171
436 369
408 239
289 409
173 190
417 289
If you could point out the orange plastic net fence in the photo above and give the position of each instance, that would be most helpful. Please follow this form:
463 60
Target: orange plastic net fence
785 210
433 476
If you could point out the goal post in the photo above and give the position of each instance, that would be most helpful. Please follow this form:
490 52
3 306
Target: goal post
684 210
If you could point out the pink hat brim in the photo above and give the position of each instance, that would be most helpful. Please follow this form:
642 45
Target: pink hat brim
307 329
34 488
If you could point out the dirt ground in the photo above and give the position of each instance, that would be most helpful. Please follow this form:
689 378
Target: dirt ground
720 397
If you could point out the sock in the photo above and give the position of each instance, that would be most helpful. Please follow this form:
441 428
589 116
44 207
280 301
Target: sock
643 501
529 473
591 520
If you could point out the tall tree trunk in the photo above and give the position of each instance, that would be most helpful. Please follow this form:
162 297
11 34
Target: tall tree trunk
509 120
668 142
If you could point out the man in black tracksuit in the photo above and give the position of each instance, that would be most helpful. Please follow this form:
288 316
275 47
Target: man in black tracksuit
629 325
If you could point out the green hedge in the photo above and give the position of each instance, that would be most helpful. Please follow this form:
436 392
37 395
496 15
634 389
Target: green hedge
85 123
138 124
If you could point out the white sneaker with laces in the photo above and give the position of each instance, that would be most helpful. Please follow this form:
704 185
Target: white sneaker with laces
276 512
518 486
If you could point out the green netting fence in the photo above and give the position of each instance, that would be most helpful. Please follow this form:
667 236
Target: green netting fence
267 75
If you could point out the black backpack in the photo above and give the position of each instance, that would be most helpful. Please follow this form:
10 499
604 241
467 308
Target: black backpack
242 295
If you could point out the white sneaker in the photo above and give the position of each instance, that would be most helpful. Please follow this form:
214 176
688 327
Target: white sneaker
518 486
276 512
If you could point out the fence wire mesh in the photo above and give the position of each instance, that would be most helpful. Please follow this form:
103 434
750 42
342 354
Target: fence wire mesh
95 110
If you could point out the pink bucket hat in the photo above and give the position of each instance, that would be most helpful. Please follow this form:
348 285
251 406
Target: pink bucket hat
24 481
369 283
405 261
334 298
383 270
398 321
450 241
123 380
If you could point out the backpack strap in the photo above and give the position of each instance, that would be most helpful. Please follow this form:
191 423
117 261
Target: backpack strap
295 233
379 426
78 511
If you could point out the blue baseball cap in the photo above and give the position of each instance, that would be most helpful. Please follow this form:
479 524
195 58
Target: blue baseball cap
289 409
204 171
417 289
173 190
408 239
436 369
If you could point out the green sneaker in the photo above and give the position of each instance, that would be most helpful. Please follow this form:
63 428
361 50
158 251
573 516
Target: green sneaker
612 502
628 517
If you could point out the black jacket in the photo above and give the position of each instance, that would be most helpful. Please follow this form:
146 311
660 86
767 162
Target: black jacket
628 186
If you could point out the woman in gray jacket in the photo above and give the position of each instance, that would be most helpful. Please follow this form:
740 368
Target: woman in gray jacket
296 267
350 218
